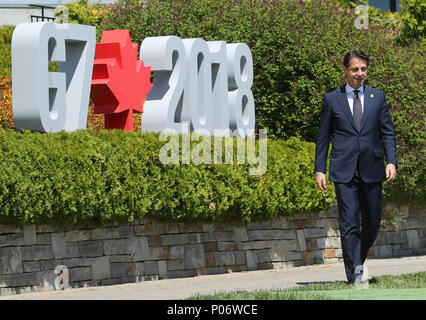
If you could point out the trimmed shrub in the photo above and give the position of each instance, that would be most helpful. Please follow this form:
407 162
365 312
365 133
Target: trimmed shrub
5 51
96 177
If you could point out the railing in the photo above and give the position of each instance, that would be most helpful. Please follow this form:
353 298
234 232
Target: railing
42 17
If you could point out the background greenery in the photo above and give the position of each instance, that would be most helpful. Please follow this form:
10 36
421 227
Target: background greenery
297 52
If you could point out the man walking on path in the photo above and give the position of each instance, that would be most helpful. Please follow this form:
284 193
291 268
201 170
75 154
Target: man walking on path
356 119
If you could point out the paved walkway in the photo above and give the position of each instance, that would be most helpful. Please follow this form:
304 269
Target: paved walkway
172 289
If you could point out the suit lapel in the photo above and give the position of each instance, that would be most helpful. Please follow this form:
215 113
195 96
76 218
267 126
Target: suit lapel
368 105
343 103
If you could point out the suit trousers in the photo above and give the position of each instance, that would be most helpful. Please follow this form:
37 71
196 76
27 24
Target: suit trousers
360 206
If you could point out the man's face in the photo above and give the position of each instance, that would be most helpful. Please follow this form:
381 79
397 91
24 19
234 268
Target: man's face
356 72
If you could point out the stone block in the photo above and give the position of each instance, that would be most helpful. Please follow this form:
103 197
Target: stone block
251 259
271 234
49 264
226 246
217 236
120 258
174 239
181 274
58 245
225 258
126 231
144 230
210 260
4 229
151 268
159 253
279 251
279 223
105 233
294 255
172 227
162 269
31 266
190 227
43 238
329 243
254 245
240 257
195 238
101 268
79 235
258 225
194 256
80 274
301 240
29 232
118 269
91 248
314 232
413 239
13 239
138 248
22 279
11 260
176 252
117 246
239 234
72 250
212 270
37 252
383 251
210 246
176 265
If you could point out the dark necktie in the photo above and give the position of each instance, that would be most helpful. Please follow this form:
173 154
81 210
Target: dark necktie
357 109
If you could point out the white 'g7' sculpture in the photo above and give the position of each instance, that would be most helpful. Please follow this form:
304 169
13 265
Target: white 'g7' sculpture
51 101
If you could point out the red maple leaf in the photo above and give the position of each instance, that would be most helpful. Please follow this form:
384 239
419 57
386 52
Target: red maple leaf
120 82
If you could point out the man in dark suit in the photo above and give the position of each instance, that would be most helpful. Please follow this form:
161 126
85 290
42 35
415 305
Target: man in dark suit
357 121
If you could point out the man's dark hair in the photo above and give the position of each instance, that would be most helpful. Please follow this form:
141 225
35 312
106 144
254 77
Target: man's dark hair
355 54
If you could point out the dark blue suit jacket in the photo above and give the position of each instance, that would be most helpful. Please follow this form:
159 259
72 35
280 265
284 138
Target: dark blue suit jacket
375 138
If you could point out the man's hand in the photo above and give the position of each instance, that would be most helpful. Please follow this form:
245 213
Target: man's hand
390 172
320 181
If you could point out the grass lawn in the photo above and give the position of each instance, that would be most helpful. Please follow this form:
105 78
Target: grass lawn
408 286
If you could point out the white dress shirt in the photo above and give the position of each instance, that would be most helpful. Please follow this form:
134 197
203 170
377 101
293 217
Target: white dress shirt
350 96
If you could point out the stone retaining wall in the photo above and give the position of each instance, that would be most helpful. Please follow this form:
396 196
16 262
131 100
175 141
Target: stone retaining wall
150 250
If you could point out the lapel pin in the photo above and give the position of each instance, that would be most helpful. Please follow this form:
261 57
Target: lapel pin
371 95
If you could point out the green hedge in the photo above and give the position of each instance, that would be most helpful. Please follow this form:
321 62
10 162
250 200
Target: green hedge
89 177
